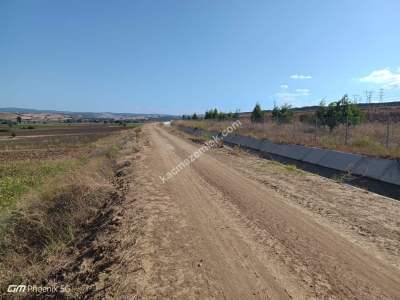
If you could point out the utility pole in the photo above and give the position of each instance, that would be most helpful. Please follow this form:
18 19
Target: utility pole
381 96
368 97
381 93
370 93
355 98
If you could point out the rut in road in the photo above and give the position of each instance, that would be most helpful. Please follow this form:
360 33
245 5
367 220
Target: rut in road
249 242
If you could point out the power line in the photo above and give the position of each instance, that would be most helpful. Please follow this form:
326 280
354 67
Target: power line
381 93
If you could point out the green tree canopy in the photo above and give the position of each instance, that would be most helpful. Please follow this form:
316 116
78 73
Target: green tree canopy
283 114
257 115
339 112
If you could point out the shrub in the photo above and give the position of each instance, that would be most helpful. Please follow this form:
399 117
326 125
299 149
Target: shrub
257 115
28 127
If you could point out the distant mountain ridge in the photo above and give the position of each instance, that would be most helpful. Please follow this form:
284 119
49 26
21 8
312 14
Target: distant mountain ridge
85 115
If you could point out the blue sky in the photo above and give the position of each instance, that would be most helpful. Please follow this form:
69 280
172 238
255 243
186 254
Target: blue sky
184 56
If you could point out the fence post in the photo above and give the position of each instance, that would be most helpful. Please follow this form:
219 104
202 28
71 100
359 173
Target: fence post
347 130
387 132
294 130
315 131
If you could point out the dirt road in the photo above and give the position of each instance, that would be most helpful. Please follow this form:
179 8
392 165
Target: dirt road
212 231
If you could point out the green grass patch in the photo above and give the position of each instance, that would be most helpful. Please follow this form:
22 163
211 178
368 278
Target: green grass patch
294 169
206 136
18 177
133 125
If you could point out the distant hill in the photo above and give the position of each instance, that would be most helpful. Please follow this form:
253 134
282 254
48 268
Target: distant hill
42 114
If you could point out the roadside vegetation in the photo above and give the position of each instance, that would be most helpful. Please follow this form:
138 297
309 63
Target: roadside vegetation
46 202
341 125
17 177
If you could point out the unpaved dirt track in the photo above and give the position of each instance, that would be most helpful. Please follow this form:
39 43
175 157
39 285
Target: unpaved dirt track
211 232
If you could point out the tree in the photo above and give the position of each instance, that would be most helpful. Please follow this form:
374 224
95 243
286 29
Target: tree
211 114
194 117
222 116
19 119
321 111
339 112
214 113
331 118
283 114
257 115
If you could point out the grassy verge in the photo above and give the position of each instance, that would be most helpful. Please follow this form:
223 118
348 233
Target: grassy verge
45 205
17 177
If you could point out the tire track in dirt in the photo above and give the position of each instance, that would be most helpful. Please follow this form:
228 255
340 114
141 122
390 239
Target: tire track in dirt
326 264
227 258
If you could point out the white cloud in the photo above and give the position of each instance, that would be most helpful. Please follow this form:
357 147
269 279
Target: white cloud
284 86
286 97
292 96
384 77
300 77
303 92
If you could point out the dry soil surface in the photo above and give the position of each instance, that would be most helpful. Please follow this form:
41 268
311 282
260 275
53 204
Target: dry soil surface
235 226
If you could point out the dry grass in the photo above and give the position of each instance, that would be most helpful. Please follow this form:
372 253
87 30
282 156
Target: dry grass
367 138
46 217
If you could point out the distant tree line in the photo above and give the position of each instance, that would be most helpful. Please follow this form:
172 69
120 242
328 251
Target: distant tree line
282 114
338 112
213 114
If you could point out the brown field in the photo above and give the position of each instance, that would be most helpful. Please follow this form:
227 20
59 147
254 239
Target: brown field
27 159
51 141
58 129
32 117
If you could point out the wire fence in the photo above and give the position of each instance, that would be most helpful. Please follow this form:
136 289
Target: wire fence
378 135
372 137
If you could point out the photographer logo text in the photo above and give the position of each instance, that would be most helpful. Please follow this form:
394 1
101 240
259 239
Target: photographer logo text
22 288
